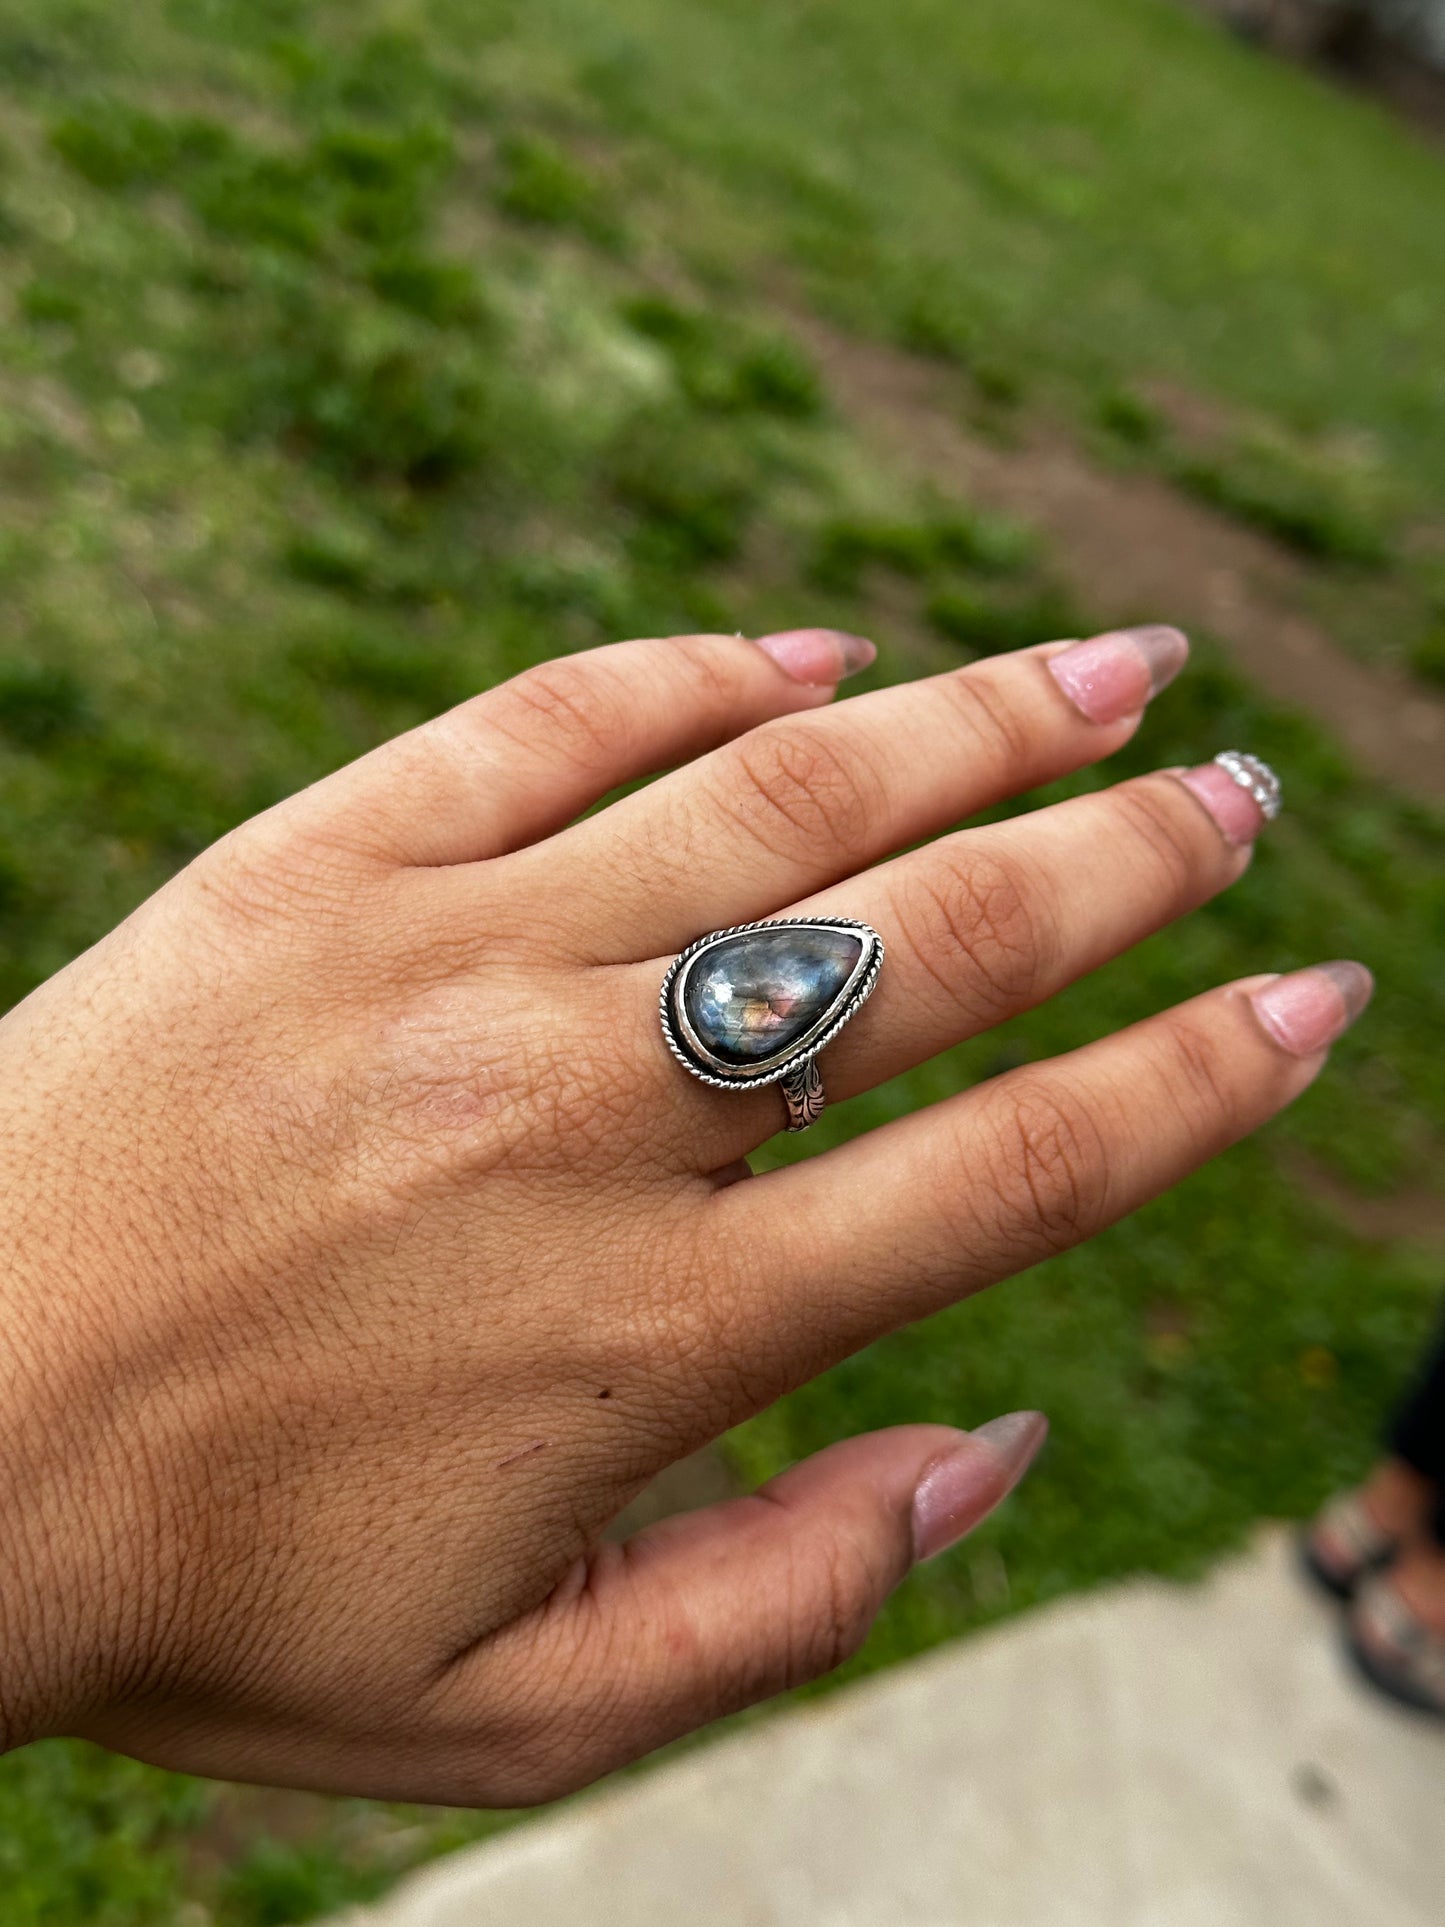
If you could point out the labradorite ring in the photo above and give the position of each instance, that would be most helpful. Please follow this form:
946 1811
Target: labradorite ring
756 1003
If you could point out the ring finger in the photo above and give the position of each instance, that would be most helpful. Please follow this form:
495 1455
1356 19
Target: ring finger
988 922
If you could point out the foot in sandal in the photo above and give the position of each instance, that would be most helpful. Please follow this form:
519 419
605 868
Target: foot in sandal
1359 1532
1396 1629
1345 1543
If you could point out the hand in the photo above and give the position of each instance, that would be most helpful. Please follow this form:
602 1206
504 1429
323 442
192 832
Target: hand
370 1251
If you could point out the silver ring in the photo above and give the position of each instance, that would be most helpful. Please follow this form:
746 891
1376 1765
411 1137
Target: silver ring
754 1004
1256 778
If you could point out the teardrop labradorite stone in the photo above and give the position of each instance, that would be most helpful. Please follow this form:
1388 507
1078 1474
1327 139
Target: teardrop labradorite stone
753 995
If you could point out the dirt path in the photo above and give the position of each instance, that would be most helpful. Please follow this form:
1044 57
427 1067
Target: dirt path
1131 546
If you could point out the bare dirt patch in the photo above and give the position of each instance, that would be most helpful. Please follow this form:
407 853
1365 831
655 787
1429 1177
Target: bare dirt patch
1416 1214
1131 546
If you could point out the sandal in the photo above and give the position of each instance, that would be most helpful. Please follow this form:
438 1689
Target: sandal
1344 1546
1394 1650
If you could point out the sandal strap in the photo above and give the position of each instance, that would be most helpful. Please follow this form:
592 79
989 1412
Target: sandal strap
1416 1650
1347 1536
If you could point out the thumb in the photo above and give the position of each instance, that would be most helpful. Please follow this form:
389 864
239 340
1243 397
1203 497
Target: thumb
712 1611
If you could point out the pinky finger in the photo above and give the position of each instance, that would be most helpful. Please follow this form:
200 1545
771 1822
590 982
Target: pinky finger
922 1211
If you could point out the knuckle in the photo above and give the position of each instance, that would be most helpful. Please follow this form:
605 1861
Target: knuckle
837 1615
1197 1072
1002 731
593 1105
439 1108
576 710
979 924
823 1607
795 788
1160 833
1047 1166
253 884
710 670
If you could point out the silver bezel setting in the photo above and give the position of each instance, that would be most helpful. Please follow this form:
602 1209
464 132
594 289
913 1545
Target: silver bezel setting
694 1055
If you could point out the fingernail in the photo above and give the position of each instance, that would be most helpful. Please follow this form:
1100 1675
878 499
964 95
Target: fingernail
818 656
1112 676
958 1492
1240 792
1307 1010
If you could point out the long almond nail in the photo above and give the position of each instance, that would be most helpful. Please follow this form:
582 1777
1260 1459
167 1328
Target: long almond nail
1240 792
1307 1010
818 656
1112 676
958 1492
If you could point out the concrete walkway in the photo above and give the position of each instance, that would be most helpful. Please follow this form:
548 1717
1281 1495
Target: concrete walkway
1154 1756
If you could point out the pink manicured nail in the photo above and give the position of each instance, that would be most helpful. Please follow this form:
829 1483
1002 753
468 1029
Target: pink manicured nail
1114 675
1307 1010
958 1492
818 656
1240 792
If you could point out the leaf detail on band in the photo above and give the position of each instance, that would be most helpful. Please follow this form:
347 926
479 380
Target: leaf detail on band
804 1092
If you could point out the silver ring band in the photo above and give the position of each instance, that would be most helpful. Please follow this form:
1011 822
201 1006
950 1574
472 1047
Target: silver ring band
1254 776
754 1004
804 1095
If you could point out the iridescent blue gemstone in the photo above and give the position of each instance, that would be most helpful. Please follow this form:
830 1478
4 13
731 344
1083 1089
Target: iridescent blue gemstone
751 996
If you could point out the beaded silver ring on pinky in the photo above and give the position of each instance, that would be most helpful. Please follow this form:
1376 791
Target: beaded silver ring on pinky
1254 776
756 1003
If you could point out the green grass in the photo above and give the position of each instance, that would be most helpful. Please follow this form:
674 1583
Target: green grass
353 357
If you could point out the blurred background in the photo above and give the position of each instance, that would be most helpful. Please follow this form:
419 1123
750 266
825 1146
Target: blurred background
353 356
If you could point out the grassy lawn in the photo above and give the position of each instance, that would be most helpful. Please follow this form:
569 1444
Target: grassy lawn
352 357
